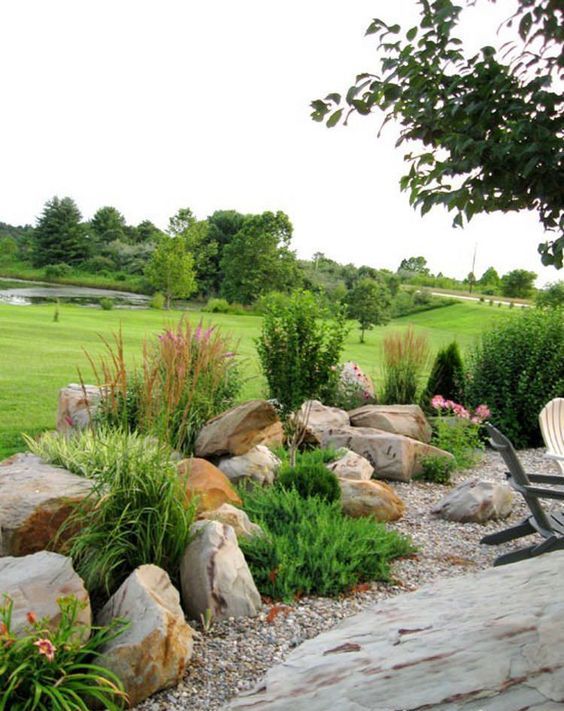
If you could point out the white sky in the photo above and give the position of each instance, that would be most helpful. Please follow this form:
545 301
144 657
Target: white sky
151 106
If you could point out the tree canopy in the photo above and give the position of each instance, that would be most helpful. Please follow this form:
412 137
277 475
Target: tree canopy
59 236
369 303
171 269
490 124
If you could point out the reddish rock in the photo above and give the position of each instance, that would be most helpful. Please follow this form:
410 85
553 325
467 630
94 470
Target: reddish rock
208 483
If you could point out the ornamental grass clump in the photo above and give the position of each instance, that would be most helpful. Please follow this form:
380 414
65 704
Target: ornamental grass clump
137 511
43 668
405 358
311 548
189 375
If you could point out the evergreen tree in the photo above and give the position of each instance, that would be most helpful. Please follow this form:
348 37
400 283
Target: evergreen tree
446 378
59 235
108 224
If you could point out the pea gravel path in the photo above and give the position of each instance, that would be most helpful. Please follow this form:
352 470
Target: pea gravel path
236 653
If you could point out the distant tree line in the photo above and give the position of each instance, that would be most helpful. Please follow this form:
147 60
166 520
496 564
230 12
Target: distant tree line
238 257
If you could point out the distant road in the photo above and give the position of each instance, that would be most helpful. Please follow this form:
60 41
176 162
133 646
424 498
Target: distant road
477 298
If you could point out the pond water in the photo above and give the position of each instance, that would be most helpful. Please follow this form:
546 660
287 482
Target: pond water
23 293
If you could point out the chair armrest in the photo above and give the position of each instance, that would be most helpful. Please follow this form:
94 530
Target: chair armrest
547 479
544 493
551 455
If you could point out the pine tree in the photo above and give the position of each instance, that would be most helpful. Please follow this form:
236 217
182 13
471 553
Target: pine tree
59 235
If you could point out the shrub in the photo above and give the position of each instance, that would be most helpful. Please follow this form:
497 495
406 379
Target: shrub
447 376
189 375
217 306
551 297
55 271
299 351
53 668
98 264
106 304
158 301
517 367
436 470
309 547
405 357
137 512
457 430
310 480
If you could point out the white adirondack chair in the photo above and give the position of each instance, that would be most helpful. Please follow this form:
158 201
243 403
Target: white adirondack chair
551 420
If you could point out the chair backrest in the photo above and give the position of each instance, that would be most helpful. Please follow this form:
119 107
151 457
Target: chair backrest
517 475
551 421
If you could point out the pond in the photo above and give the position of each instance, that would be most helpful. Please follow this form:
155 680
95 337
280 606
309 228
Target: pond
18 292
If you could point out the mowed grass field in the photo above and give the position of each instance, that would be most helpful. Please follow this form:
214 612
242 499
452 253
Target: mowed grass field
38 356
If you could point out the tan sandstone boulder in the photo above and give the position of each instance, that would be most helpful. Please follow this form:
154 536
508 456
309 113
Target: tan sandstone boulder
206 482
77 406
35 582
475 501
352 466
35 500
318 417
236 431
153 651
370 498
236 518
407 420
392 456
214 576
258 465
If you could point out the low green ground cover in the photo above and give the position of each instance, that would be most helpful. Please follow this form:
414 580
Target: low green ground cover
38 356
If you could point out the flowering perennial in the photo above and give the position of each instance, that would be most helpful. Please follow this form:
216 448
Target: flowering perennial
477 416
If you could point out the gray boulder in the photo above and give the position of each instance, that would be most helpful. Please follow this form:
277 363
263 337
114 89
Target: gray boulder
494 641
259 465
214 576
35 583
475 501
318 417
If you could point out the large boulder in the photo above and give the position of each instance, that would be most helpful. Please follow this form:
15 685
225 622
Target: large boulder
77 406
214 576
35 500
318 417
258 465
494 641
206 482
407 420
475 501
35 582
351 466
236 518
153 650
393 456
370 498
236 431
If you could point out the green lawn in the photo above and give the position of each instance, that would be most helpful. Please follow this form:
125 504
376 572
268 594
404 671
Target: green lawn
39 356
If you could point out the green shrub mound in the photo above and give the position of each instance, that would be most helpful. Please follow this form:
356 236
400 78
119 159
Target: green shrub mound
137 511
311 548
517 367
310 480
436 470
446 378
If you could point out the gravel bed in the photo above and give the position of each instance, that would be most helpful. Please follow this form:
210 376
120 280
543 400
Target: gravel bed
236 653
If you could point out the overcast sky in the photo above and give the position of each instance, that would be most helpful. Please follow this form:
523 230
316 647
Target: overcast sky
151 106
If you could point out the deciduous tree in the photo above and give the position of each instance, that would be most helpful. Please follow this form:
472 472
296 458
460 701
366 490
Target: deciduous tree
369 303
518 283
171 269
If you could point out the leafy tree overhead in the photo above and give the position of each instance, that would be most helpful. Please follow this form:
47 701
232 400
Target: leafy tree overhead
518 283
171 269
490 124
59 235
258 259
369 303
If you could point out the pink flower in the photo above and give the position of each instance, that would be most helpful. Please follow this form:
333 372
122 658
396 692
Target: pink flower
47 648
31 618
438 402
483 412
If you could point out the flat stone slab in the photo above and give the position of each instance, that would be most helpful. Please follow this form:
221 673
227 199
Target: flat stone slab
493 640
35 500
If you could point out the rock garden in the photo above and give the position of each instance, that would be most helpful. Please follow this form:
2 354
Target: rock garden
167 545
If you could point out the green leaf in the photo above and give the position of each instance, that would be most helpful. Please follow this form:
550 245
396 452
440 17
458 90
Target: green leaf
334 119
411 34
335 98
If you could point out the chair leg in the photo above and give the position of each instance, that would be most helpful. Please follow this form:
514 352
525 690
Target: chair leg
514 556
508 534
